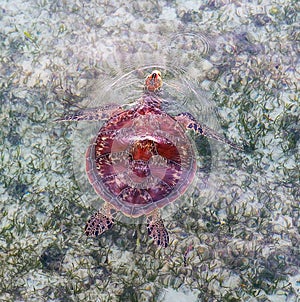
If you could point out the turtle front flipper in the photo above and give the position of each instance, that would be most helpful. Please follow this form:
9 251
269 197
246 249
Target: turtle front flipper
93 114
189 122
100 222
157 230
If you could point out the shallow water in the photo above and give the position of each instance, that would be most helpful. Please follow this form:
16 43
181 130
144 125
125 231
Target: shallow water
234 65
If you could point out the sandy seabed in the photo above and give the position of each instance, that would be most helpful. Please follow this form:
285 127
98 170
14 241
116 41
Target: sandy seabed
234 65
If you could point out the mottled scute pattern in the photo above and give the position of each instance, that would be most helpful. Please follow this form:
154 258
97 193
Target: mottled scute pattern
141 160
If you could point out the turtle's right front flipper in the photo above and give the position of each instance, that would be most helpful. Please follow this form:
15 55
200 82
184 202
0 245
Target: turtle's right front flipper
189 122
93 114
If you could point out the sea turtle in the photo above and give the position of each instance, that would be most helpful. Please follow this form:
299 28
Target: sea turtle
141 160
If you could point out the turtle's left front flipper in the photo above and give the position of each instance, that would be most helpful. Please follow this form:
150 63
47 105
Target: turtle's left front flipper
189 122
93 114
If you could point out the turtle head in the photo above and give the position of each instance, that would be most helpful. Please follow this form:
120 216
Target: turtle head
153 81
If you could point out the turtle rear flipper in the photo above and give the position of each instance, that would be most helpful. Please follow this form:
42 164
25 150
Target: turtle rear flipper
157 230
100 222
